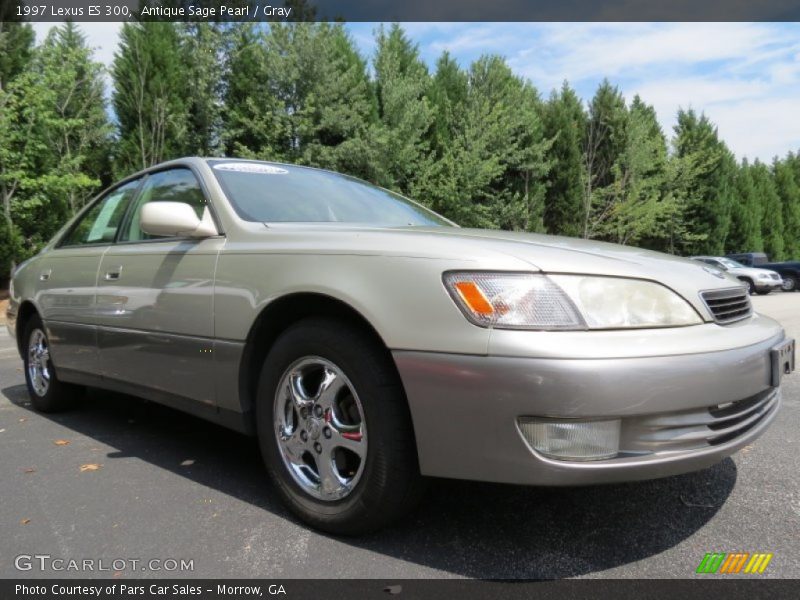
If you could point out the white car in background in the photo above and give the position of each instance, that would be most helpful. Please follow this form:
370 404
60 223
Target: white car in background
759 281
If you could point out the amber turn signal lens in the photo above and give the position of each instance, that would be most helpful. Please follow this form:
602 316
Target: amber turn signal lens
473 297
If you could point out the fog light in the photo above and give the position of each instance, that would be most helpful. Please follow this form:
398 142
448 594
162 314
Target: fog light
572 439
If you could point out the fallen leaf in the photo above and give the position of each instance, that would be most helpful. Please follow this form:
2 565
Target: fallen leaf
90 467
25 521
188 462
696 504
61 442
29 470
2 430
23 419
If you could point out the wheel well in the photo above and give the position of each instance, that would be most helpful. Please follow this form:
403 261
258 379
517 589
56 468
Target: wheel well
24 313
278 316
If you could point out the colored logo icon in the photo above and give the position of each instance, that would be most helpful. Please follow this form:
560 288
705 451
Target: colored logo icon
731 563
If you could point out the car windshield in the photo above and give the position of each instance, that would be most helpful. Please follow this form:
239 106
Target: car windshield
278 193
731 264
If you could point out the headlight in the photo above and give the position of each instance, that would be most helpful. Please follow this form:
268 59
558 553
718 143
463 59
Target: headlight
611 302
547 302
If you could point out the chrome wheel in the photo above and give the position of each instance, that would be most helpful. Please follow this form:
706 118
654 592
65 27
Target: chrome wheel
39 362
320 428
788 284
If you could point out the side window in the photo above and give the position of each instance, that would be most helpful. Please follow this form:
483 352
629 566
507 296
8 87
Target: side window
174 185
99 225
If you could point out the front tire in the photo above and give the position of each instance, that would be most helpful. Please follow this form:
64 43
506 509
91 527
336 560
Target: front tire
751 288
335 430
789 284
47 393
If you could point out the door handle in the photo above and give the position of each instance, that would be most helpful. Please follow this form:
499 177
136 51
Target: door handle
113 274
45 275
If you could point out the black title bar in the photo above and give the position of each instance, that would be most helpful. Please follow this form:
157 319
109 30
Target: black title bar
400 10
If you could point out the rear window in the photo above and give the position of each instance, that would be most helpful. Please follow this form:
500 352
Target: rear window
277 193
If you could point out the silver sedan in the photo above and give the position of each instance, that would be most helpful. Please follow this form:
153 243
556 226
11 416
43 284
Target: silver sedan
369 342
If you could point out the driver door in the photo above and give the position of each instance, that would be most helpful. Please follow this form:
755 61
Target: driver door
155 300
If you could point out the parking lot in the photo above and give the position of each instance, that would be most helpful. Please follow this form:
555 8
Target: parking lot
118 478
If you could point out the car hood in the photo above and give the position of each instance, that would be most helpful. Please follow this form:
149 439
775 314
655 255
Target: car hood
483 249
555 254
750 271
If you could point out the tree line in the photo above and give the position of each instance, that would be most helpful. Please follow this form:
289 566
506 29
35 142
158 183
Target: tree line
479 145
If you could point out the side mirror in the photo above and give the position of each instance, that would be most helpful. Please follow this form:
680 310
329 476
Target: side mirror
175 219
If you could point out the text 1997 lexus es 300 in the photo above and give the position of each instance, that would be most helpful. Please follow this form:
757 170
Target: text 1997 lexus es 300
369 342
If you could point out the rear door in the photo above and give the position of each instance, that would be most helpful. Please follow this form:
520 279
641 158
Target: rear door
67 276
155 299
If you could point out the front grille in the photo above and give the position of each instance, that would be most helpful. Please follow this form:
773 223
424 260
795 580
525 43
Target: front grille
699 428
728 305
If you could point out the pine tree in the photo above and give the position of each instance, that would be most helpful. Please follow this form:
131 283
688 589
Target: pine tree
150 95
339 114
745 231
16 46
249 127
491 173
603 143
448 97
633 206
201 47
402 82
564 122
788 188
709 191
79 136
772 215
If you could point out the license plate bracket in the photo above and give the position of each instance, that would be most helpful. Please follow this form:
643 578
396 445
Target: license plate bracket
782 357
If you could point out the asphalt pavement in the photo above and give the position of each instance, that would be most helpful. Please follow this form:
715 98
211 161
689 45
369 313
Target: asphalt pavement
121 479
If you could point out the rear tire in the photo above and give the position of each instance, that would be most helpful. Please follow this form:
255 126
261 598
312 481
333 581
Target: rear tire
763 292
325 383
789 284
47 393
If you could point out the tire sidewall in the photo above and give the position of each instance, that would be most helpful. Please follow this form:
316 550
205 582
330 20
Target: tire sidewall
50 401
290 347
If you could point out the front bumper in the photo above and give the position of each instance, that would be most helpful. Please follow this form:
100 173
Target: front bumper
771 285
675 411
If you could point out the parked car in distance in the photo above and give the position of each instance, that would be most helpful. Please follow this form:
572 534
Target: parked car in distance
761 281
369 342
788 270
